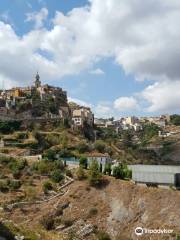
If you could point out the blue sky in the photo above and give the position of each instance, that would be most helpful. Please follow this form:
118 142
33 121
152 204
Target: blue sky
17 10
106 54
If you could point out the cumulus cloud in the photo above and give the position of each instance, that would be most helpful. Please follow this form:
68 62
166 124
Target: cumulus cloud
37 17
163 96
97 71
104 109
125 104
142 37
79 102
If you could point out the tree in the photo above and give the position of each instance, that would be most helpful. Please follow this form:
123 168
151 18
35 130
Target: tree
50 154
149 131
95 176
51 106
43 167
59 164
100 167
121 171
175 119
117 172
83 162
9 126
107 169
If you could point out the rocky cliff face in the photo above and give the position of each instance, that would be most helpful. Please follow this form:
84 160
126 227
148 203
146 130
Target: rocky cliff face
117 208
123 206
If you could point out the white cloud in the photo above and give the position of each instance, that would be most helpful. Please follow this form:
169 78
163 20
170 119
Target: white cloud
97 71
79 102
163 96
125 104
139 36
104 109
143 37
6 17
37 17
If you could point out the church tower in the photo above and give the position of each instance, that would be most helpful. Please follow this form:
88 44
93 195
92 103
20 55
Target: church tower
37 81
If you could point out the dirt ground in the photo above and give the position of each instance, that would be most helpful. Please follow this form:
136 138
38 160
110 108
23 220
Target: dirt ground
120 207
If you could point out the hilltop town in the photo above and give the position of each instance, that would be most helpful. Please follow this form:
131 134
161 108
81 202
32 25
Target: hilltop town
45 108
55 156
41 102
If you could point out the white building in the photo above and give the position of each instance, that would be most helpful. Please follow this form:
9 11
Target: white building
162 175
131 120
101 158
82 115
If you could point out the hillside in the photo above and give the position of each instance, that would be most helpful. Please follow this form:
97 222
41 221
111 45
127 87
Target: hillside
43 200
117 208
38 138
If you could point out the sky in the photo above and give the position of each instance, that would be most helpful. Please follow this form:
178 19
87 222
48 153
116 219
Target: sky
120 57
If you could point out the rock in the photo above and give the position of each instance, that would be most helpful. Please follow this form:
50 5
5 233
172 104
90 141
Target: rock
86 230
19 237
60 227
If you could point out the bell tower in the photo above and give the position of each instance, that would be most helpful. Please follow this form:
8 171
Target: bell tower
37 81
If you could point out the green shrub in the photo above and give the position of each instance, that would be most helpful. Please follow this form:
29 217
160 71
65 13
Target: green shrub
21 164
3 186
107 169
92 212
21 135
50 154
149 131
103 236
72 235
100 146
57 176
82 147
175 119
9 126
16 173
4 160
14 184
122 172
16 166
47 186
80 173
48 222
59 164
69 173
43 167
